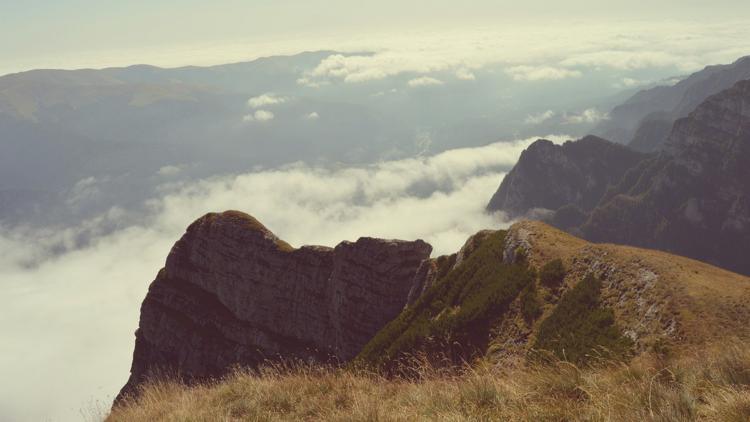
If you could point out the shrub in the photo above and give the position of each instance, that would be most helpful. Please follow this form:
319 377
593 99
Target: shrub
531 306
552 273
579 325
456 314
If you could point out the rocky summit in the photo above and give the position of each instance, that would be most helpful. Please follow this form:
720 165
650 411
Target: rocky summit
575 174
232 293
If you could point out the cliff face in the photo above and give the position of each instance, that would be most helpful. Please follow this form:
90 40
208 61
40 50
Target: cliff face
233 293
694 198
550 176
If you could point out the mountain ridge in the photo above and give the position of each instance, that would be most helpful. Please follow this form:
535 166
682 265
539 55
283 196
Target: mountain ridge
233 294
691 199
643 121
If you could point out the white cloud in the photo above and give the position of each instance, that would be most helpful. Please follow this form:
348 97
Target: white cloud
618 44
355 68
631 59
548 51
465 74
313 116
590 115
543 41
540 73
169 170
424 81
259 116
535 119
628 83
305 81
265 100
68 318
83 190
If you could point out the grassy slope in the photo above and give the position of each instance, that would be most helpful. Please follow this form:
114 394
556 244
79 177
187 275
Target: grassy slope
690 304
706 303
460 308
458 318
579 325
711 386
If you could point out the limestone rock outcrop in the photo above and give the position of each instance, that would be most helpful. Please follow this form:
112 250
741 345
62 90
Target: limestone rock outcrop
232 293
575 174
692 198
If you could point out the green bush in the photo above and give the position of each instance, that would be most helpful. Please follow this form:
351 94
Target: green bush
579 325
455 315
531 306
552 273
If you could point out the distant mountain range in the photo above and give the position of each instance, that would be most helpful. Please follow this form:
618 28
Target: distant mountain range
692 198
127 129
124 131
644 121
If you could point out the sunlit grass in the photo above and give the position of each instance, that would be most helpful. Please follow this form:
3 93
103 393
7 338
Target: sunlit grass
713 385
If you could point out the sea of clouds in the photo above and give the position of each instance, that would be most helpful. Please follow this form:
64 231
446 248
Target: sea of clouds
70 307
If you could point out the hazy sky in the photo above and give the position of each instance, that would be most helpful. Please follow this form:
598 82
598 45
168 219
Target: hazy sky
75 33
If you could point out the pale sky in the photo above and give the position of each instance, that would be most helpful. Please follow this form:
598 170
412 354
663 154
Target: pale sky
89 33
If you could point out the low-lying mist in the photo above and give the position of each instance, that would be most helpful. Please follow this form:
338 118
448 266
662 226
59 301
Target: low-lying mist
70 308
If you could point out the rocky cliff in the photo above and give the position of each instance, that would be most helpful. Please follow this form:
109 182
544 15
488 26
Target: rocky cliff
692 199
232 293
575 175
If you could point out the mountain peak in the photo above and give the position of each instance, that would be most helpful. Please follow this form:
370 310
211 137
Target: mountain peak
232 220
232 293
549 176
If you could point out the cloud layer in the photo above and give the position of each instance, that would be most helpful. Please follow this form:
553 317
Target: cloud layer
69 312
541 73
549 51
590 115
259 116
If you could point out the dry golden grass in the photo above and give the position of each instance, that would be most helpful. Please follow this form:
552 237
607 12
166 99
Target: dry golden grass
703 302
712 385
